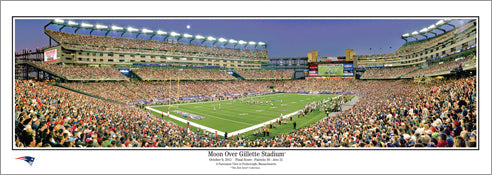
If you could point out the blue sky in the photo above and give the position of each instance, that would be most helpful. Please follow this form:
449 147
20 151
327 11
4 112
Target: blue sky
285 37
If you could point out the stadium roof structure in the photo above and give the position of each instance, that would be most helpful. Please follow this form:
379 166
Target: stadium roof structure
152 33
426 30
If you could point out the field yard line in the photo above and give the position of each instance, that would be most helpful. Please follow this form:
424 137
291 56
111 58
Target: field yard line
217 117
191 123
219 100
220 132
261 124
266 123
234 112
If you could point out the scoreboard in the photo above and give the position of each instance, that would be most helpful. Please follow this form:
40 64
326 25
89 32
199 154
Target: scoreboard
348 69
331 70
50 55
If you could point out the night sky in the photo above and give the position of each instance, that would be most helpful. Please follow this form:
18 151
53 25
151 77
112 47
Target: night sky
285 37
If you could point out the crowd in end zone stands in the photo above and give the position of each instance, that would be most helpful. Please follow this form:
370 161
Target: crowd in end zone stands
83 72
111 73
395 72
416 46
375 56
266 74
152 91
399 113
437 68
386 72
126 92
183 74
420 45
129 45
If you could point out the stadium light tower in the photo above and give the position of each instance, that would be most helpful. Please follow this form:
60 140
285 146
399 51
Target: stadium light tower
55 21
174 34
431 28
185 35
261 44
69 24
221 40
241 42
439 24
58 21
159 32
197 37
232 41
113 28
405 36
129 30
84 26
447 22
423 31
144 31
414 35
210 38
99 27
251 43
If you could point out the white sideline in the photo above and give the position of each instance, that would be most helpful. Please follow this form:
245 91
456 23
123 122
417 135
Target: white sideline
215 101
261 124
222 133
191 123
267 122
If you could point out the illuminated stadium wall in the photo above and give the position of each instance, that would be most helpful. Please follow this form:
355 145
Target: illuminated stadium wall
419 52
102 54
94 57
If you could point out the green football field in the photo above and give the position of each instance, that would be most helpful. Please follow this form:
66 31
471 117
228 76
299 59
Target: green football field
232 117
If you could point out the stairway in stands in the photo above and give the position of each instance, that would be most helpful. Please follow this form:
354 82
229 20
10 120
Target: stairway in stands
235 74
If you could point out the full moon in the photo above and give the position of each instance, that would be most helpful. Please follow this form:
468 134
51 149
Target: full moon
188 27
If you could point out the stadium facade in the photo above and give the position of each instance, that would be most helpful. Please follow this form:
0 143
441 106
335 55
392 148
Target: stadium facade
72 53
420 52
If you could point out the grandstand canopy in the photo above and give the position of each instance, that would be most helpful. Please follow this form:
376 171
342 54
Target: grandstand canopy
439 25
145 31
284 37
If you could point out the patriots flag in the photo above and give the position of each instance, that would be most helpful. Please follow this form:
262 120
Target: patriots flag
28 159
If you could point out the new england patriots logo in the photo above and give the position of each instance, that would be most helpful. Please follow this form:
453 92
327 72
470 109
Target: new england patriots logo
28 159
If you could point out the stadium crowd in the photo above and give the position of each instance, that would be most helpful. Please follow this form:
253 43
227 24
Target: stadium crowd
266 74
152 91
407 114
387 72
389 114
83 72
140 46
413 47
183 74
49 116
438 67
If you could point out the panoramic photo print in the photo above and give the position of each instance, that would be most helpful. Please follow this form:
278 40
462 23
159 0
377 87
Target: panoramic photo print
284 83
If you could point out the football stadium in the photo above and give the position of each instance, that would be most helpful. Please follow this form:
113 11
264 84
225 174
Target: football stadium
99 85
